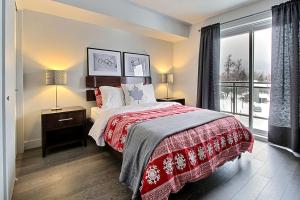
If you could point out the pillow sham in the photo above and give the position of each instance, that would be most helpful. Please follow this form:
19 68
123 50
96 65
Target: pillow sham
112 97
98 97
149 95
138 93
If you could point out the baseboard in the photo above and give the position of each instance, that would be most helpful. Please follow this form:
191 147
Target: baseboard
12 188
31 144
265 139
260 138
287 149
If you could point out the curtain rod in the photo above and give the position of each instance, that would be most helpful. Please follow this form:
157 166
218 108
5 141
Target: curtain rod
258 13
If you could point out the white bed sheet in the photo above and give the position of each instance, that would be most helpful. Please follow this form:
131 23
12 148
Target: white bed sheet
102 115
95 112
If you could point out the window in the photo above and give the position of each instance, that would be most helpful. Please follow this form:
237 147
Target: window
245 74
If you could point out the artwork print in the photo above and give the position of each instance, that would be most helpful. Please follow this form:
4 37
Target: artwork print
136 64
104 62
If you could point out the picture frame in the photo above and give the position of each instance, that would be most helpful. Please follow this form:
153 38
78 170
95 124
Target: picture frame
136 64
103 62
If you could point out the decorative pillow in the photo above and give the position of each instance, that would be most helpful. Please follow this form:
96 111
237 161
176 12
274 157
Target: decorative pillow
112 97
138 93
133 93
98 97
149 95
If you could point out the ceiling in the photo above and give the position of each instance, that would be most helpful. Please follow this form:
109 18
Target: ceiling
168 20
192 11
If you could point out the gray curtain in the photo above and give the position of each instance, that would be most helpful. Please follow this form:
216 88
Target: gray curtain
285 107
208 71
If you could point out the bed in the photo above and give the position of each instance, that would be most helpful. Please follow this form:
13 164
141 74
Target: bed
185 155
95 113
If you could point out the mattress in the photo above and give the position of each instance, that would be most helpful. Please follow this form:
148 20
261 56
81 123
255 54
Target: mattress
101 116
95 113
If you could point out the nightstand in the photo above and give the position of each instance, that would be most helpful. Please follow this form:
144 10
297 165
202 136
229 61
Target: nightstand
178 100
63 127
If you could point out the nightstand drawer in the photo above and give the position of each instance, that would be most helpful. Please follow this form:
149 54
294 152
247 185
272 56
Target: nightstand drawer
63 120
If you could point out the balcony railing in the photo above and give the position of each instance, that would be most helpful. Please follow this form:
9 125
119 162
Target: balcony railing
235 98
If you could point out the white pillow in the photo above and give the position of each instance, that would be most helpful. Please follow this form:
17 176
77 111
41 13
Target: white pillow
112 97
138 93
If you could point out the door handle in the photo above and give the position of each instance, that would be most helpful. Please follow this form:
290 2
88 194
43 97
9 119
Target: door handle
7 98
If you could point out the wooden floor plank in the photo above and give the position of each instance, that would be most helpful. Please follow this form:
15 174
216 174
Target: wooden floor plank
252 189
292 190
92 173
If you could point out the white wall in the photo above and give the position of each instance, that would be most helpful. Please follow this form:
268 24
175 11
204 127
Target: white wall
10 98
185 62
185 56
54 42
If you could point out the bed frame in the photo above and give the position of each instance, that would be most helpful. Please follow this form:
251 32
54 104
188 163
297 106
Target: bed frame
92 82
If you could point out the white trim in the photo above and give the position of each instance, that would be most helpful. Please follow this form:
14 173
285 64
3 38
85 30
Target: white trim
31 144
2 161
246 27
19 85
249 21
285 148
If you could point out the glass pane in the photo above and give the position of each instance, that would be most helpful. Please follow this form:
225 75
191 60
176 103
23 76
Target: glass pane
234 75
234 64
242 106
262 55
226 99
261 100
260 124
262 78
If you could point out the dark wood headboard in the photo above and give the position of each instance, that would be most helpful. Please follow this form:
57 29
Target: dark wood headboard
114 81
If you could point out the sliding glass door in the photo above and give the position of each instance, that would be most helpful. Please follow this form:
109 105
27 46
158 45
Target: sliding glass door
245 75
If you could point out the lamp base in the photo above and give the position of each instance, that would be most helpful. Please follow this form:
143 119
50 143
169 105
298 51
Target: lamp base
168 98
56 108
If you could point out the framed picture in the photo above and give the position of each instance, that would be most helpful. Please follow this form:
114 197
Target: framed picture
136 64
102 62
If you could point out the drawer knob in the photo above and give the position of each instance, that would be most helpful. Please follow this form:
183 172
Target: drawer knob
66 119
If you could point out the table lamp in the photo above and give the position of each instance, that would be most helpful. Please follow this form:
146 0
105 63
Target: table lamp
168 79
56 77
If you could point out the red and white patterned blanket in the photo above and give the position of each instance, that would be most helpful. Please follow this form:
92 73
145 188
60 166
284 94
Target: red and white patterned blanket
184 157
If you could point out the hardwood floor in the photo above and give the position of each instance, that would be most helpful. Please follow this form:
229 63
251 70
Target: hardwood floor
92 173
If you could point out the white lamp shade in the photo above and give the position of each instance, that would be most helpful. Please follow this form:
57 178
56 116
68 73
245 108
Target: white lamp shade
170 78
56 77
163 78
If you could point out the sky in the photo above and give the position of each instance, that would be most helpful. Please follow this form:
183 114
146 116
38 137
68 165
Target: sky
238 47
